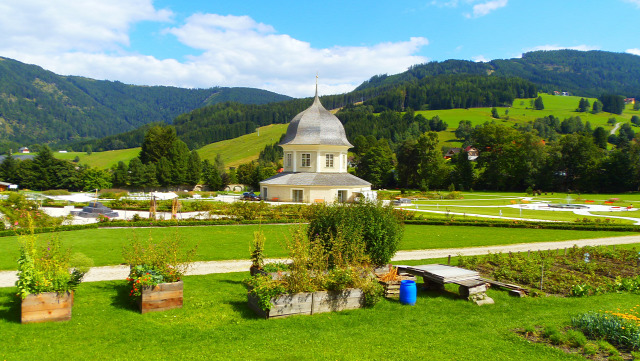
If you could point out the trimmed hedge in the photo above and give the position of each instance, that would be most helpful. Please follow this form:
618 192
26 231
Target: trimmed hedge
527 224
191 222
22 231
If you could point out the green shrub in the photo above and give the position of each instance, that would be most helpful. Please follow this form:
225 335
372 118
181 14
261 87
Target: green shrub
379 227
56 192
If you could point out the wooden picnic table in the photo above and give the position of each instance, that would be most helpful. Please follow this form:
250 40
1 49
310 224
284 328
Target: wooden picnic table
435 276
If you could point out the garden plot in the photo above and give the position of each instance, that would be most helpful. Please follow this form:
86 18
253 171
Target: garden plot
572 272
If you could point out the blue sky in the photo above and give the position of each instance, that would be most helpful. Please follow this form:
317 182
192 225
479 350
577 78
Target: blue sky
281 45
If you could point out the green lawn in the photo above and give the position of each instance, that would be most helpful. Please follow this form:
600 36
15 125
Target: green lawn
101 160
104 245
243 149
216 324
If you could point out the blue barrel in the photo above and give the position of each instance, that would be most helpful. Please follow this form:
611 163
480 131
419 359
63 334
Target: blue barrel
408 292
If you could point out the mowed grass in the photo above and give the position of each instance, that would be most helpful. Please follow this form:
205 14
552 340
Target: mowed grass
561 216
214 243
101 160
216 324
243 149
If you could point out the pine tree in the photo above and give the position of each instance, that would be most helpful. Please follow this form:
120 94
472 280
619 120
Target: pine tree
538 104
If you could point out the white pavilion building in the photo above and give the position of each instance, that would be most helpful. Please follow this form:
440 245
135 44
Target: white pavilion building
315 162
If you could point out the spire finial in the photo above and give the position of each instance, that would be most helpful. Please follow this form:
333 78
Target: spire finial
316 85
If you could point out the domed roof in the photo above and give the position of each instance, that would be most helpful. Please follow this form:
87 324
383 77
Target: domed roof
316 125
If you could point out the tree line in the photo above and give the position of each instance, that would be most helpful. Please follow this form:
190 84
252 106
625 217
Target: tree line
510 159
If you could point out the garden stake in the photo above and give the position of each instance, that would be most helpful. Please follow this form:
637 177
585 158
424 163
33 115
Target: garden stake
542 276
565 251
449 260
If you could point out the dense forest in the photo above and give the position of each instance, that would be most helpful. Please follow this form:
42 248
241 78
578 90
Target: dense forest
38 106
584 73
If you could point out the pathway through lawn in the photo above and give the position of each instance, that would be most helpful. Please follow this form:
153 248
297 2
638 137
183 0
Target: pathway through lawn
109 273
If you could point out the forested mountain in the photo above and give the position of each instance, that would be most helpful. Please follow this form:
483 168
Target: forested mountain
38 106
584 73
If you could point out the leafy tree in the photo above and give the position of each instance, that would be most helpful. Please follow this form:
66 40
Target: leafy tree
245 173
431 168
494 113
597 107
9 169
463 173
194 169
583 105
636 105
376 165
164 173
464 130
158 142
120 177
538 104
600 137
612 103
136 173
219 163
211 176
179 158
626 132
635 120
580 161
94 178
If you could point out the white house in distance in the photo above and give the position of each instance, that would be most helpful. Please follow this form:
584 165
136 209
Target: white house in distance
315 162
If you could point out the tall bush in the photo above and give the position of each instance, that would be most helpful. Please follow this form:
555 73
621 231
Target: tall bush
379 227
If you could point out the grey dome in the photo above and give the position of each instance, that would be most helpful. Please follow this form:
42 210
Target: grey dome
316 125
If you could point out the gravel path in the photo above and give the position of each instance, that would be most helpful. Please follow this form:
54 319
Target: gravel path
109 273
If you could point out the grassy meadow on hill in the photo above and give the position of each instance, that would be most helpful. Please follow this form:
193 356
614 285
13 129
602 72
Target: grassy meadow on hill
101 160
247 147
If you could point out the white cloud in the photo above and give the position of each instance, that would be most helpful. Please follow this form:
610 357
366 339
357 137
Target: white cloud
48 26
486 8
558 47
635 2
92 39
479 59
635 51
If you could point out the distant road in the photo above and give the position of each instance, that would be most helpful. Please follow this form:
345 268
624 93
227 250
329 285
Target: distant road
615 129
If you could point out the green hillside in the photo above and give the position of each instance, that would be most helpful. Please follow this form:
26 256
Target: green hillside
101 160
39 106
521 112
235 151
586 73
244 148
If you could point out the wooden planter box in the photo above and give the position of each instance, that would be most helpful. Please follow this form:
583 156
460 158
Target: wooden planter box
47 307
309 303
164 296
392 288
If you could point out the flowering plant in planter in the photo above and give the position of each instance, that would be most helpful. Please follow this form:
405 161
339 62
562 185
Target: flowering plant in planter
155 262
46 266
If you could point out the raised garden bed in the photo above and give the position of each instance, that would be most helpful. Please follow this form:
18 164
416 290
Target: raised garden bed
309 303
162 297
47 307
